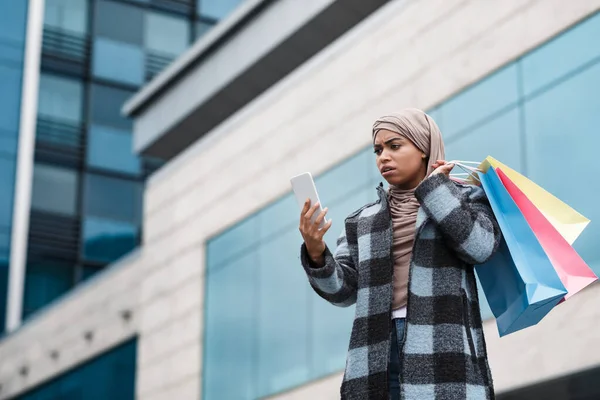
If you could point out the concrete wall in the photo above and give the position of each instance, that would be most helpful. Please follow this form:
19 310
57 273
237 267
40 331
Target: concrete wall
412 53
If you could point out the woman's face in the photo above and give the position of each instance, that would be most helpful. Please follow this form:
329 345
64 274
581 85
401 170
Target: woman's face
399 161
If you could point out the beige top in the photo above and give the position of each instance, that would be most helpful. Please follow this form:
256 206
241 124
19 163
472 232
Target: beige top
403 209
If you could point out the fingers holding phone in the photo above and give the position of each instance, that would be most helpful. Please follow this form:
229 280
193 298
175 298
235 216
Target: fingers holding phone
311 229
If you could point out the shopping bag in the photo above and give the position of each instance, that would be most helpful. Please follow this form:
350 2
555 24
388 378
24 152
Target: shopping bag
568 222
573 272
519 281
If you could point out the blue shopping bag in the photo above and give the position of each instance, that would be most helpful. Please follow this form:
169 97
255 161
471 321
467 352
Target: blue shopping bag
519 281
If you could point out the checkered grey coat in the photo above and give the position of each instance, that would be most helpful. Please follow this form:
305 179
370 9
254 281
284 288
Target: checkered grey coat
444 354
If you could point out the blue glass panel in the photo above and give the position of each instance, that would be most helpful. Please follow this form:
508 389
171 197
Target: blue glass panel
347 176
10 104
283 352
13 18
110 375
8 144
7 185
5 232
331 325
120 22
3 288
216 9
44 282
106 240
113 198
480 101
561 55
106 104
230 243
67 15
166 34
562 145
60 98
54 189
112 149
118 61
283 213
231 321
436 114
500 138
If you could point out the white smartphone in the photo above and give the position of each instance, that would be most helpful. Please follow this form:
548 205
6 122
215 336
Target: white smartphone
304 188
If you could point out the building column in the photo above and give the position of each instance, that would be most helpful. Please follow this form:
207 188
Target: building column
24 170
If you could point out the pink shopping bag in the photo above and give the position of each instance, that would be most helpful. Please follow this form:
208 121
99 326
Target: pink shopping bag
574 273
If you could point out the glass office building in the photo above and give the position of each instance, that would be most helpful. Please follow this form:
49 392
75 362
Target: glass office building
13 18
87 185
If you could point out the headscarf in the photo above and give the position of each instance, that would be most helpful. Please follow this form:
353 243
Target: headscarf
424 133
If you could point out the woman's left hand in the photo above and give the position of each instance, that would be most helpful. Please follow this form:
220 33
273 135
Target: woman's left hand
442 167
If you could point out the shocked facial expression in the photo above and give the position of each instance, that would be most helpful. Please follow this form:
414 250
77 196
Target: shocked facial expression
399 161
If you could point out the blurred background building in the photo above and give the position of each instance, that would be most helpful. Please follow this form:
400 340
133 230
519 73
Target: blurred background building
148 236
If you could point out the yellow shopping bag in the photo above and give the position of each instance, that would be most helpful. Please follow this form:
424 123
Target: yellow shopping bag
568 222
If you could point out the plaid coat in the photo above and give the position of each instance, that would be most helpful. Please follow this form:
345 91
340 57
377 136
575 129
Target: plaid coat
444 354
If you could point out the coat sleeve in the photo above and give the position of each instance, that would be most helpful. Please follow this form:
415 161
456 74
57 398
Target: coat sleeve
464 217
337 280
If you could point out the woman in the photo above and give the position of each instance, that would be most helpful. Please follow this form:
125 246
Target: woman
406 261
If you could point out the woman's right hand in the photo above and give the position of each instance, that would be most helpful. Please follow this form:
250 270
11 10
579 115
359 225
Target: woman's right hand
312 234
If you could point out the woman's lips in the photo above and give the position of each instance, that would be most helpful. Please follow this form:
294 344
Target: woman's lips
388 172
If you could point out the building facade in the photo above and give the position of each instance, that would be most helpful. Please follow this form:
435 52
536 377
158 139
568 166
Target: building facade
213 304
86 183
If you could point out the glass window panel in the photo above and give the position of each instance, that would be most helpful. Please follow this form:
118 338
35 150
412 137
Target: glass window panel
500 138
217 9
279 215
561 55
166 34
106 104
283 353
233 241
118 62
69 15
113 198
107 241
10 100
5 231
112 149
13 21
436 114
231 323
202 28
88 271
331 325
60 98
54 189
3 290
120 22
44 282
8 144
110 375
344 178
480 101
562 143
7 184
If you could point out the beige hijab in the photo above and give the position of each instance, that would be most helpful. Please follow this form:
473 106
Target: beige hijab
422 130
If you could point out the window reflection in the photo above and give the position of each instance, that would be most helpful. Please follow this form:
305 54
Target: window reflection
44 282
54 189
112 198
106 240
